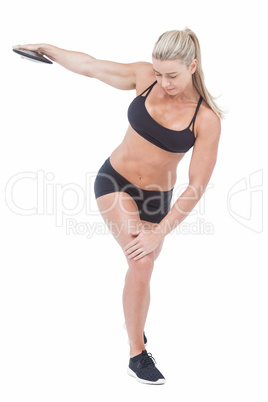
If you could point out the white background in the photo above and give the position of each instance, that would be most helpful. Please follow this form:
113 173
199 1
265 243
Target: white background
61 310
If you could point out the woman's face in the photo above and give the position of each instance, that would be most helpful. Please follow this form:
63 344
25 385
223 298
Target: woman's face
172 75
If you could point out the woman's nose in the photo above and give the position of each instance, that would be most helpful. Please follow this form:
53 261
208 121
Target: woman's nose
165 82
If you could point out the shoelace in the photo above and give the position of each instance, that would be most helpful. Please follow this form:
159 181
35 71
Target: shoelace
147 360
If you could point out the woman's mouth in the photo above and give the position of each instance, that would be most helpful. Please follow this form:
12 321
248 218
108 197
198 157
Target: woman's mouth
169 90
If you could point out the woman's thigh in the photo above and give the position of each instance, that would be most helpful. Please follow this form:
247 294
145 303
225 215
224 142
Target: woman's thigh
120 213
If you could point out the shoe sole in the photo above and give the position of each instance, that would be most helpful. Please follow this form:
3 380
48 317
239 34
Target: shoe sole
133 374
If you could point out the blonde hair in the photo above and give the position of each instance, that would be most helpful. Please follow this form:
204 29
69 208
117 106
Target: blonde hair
184 45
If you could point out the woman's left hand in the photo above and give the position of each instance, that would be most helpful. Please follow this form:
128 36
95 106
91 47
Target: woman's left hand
144 243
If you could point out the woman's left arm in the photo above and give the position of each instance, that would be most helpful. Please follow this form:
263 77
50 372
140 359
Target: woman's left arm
202 163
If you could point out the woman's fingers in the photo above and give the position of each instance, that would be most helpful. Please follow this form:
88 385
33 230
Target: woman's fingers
26 47
34 48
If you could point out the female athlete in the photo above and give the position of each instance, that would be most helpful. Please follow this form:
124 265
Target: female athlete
171 113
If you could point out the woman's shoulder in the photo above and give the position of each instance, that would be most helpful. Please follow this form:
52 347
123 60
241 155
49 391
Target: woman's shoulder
145 76
206 113
206 118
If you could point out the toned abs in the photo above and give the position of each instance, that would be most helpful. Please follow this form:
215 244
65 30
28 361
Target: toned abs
144 164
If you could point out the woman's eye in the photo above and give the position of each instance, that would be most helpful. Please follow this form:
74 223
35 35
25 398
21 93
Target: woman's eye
159 75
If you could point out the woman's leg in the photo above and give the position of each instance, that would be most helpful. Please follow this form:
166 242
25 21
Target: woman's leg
119 211
136 298
136 302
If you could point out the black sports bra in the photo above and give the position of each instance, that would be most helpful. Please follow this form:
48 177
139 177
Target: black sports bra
169 140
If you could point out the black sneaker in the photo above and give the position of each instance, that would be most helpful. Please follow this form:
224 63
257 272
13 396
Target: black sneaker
142 367
144 336
144 339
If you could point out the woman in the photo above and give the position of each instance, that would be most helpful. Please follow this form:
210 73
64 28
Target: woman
172 112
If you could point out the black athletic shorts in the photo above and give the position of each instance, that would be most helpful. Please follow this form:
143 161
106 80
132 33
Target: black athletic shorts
153 205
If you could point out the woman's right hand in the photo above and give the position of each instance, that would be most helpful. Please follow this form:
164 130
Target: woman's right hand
39 48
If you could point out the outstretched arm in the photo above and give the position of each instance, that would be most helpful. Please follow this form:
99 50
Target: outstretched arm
118 75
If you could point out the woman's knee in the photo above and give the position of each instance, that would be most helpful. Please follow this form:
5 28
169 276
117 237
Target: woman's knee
141 270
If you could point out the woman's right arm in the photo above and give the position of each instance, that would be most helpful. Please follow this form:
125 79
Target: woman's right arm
118 75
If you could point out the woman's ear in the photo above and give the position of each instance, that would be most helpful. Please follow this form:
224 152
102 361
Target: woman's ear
193 66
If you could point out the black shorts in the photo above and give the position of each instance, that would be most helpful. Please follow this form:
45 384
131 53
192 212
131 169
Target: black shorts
153 205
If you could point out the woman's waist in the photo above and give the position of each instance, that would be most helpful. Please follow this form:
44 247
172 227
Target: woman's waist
143 171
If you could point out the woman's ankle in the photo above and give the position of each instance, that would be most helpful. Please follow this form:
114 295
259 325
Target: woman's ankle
134 351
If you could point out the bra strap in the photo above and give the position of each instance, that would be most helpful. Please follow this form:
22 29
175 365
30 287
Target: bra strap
149 88
196 110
